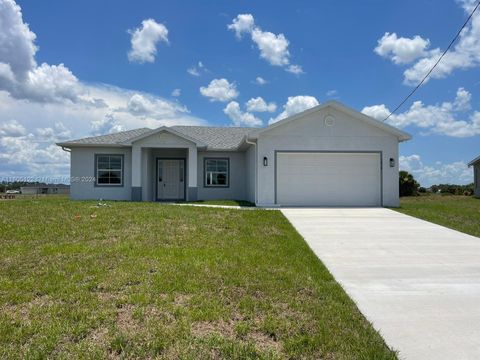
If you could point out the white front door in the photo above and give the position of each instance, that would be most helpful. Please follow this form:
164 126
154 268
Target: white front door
170 179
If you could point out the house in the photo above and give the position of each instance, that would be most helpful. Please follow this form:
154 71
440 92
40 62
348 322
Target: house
329 155
476 175
45 189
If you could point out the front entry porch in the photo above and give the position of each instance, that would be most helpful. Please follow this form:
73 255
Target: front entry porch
164 174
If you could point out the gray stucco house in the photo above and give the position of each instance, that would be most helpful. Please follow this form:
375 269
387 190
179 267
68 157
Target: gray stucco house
476 175
329 155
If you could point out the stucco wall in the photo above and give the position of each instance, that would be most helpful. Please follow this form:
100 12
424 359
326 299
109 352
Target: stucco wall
476 176
82 172
250 173
311 133
237 188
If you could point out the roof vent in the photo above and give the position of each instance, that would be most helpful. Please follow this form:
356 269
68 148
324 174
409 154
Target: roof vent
329 120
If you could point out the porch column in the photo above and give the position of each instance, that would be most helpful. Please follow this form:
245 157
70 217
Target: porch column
136 173
192 173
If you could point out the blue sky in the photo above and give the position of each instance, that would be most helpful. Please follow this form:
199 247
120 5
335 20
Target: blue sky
75 69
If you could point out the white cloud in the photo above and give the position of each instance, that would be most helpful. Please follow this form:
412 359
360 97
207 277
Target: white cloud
435 119
331 93
220 90
144 41
465 54
239 118
106 125
273 47
462 100
12 128
401 50
243 23
259 105
295 69
295 105
49 103
176 92
196 70
438 173
260 81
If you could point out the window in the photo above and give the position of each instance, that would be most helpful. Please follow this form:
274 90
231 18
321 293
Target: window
109 170
216 172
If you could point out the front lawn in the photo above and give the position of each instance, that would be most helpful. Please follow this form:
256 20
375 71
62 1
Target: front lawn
146 280
461 213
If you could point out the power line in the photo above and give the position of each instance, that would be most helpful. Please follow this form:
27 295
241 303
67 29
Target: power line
435 65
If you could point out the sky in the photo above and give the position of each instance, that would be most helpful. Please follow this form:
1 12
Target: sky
75 69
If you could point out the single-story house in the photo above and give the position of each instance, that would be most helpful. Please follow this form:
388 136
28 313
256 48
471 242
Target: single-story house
329 155
476 175
45 189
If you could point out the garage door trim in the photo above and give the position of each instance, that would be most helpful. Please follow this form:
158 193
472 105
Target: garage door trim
326 152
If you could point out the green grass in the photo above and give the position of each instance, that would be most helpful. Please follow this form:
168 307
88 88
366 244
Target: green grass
461 213
221 202
146 280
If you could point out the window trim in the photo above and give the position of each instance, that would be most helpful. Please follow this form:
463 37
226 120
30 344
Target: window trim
205 172
122 170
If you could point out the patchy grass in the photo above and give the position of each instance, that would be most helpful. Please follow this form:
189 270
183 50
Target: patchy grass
461 213
146 280
221 202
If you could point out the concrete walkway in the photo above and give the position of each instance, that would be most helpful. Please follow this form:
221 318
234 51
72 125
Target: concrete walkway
417 282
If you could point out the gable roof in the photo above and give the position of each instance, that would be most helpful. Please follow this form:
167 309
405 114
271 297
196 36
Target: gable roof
170 130
401 135
214 138
474 161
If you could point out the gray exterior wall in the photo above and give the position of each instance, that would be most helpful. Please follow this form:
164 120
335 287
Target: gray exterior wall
310 133
476 180
238 174
250 171
82 172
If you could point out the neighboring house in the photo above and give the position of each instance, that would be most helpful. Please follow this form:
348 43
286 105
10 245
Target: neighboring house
329 155
45 189
476 175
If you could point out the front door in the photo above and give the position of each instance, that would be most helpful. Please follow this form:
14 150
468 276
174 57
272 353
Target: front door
170 179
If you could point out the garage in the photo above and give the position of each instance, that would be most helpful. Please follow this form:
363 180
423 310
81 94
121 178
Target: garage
328 179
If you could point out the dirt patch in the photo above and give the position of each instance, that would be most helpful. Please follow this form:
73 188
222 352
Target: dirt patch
125 320
98 337
207 328
181 300
264 342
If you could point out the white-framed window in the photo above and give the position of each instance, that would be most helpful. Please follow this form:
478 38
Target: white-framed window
217 172
108 170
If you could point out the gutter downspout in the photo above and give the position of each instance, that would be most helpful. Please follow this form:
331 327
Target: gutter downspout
256 164
66 149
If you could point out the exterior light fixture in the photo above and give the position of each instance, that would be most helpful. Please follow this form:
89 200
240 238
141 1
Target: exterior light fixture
392 162
265 161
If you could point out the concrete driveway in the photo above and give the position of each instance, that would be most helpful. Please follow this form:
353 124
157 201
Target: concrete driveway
417 282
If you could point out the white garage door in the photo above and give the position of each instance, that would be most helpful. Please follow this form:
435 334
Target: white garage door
328 179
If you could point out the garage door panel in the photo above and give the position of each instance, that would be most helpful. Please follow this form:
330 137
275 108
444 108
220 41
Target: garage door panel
328 179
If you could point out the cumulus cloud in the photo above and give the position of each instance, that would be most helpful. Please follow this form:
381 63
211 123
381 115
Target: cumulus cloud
19 73
439 173
106 125
401 50
12 128
144 41
273 47
442 119
220 90
176 92
259 105
196 70
260 81
295 105
465 54
239 118
42 104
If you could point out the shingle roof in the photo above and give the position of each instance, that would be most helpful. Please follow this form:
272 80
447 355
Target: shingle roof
216 138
